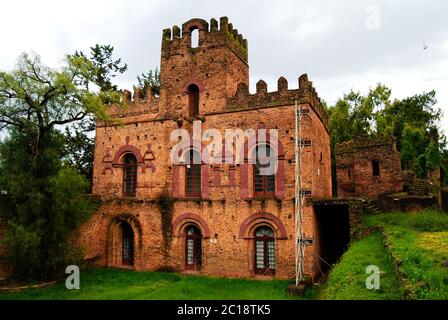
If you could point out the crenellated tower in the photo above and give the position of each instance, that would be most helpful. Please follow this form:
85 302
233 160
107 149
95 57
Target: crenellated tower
197 79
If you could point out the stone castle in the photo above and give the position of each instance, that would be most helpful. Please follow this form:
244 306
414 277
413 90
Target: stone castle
199 217
211 207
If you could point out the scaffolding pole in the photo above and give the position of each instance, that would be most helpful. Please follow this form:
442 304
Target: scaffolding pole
299 197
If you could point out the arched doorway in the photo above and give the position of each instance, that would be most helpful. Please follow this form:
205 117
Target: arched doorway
127 244
193 248
264 246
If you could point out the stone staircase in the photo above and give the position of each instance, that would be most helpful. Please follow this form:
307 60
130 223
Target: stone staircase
372 206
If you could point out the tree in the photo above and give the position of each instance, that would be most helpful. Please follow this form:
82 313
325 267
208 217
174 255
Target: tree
80 141
47 205
79 148
150 80
46 193
104 67
412 121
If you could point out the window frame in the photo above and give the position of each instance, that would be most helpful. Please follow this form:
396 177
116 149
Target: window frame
266 270
196 237
127 234
132 169
193 177
267 181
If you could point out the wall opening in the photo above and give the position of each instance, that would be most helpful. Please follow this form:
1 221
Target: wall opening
127 245
333 227
376 168
194 38
193 100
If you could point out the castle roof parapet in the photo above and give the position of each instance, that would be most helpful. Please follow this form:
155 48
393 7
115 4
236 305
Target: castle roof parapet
364 142
210 34
283 96
135 104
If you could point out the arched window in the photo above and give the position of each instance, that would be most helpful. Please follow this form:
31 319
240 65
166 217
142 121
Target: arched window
264 172
193 100
194 38
264 251
193 248
129 174
127 244
193 174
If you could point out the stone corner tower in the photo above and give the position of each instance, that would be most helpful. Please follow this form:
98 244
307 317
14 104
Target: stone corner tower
198 77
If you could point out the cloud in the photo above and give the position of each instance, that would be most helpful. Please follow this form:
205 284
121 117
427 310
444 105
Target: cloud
329 40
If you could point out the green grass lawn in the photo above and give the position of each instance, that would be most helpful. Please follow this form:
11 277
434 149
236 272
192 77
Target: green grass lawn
347 280
420 242
112 284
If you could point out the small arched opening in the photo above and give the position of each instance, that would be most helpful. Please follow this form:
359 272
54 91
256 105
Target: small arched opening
193 100
194 34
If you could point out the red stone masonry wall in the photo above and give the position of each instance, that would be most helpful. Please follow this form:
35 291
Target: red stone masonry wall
227 213
355 172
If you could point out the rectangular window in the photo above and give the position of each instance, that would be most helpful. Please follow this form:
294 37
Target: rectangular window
375 168
264 185
193 181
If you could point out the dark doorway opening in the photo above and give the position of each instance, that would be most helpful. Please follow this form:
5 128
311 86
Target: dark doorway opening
333 226
127 245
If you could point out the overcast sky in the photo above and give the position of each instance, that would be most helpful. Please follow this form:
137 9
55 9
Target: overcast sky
340 44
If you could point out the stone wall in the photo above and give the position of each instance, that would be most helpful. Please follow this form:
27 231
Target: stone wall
355 168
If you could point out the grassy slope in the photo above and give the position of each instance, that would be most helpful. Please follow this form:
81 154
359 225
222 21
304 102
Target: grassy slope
122 284
347 279
420 242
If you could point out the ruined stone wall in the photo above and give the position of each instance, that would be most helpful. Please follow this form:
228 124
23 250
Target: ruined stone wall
354 167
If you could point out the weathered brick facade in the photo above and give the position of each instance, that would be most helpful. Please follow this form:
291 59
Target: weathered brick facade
227 212
368 167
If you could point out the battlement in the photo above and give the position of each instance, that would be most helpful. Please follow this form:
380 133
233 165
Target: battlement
210 35
305 94
135 104
364 142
